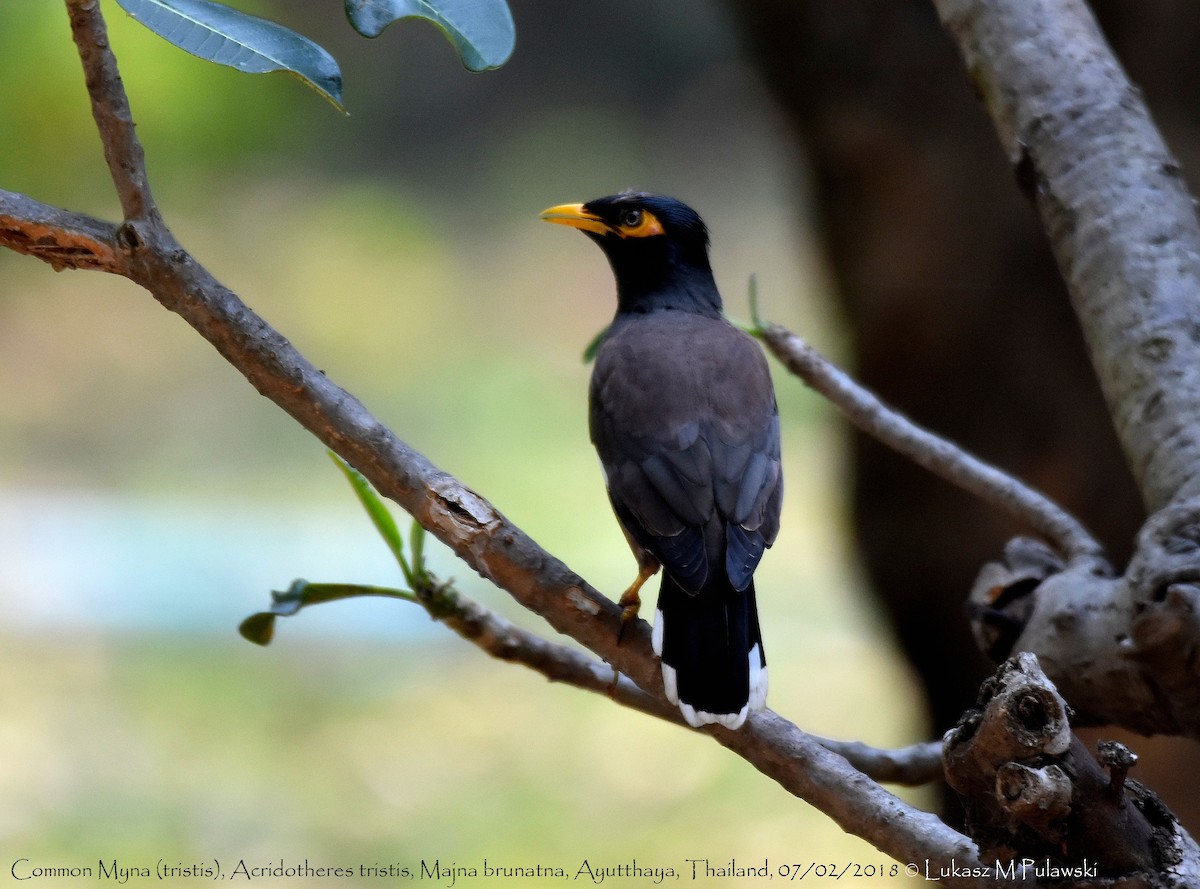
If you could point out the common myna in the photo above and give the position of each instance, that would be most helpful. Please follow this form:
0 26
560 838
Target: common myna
683 416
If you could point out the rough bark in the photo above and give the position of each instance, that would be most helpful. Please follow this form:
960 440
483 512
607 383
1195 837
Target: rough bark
951 298
143 250
1125 233
1120 220
1033 793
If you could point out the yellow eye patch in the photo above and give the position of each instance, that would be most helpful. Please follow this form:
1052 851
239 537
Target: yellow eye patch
633 222
638 223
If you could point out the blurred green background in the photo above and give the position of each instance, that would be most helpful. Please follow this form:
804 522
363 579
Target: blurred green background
150 499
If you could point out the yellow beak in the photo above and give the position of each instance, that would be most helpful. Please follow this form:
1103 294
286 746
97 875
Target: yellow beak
575 216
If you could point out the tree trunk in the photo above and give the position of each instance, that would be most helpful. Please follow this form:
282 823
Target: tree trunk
959 314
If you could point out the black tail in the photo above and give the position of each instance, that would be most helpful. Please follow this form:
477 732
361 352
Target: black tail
712 656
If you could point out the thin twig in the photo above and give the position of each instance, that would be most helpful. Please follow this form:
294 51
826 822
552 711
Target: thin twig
65 240
110 108
505 641
910 766
941 457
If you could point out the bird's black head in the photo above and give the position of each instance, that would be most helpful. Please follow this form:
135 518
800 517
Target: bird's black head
657 247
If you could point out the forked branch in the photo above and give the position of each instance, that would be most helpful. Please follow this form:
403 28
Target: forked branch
1121 222
1125 233
143 250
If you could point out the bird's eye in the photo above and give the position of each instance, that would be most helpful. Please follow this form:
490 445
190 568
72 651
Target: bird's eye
631 218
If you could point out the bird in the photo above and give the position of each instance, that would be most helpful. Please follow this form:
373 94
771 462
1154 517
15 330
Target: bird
683 416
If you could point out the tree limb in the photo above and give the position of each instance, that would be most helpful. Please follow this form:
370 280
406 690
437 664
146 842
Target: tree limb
1121 222
110 108
912 766
1127 240
1032 791
505 641
64 240
939 456
147 253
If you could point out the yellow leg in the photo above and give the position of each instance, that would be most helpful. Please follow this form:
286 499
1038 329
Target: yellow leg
631 601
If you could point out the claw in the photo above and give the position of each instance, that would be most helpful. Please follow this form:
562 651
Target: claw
631 601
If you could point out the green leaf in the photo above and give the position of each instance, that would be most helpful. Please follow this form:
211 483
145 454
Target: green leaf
301 594
757 327
416 546
589 353
382 519
217 33
481 30
259 628
752 288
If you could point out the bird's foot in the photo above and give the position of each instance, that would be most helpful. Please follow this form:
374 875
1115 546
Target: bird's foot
630 605
631 601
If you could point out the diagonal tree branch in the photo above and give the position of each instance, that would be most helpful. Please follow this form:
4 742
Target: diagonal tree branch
941 457
1126 237
144 251
1121 222
147 253
912 766
505 641
110 108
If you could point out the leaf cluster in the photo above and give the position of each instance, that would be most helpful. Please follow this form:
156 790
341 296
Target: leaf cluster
481 30
259 628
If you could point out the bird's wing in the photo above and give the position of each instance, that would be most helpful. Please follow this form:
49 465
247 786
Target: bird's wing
683 417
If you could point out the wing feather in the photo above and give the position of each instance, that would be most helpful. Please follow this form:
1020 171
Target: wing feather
684 419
